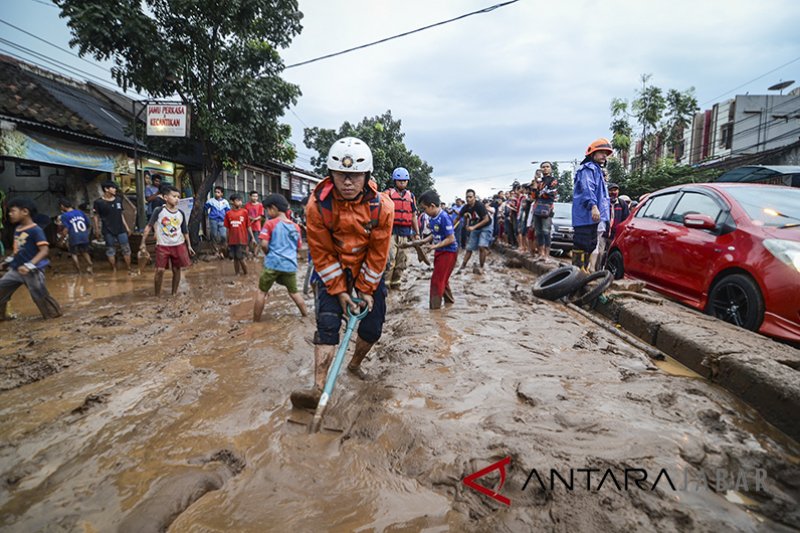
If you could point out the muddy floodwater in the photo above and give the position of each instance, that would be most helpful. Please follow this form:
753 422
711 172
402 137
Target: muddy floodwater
136 414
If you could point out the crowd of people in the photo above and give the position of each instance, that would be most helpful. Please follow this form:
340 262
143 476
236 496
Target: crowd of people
357 238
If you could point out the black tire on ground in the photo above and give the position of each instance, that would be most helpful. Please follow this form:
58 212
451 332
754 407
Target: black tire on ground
615 264
737 299
557 283
589 291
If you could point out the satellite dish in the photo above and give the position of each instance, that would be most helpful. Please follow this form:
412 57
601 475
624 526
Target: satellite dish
780 86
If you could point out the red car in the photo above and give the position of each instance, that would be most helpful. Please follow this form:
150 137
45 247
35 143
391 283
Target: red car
730 249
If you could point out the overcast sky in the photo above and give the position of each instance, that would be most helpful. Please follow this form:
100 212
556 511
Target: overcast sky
482 97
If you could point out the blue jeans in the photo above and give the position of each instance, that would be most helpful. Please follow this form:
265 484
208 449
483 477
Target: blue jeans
217 231
480 238
112 241
329 317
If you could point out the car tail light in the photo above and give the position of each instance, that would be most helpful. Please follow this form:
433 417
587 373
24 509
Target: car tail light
786 251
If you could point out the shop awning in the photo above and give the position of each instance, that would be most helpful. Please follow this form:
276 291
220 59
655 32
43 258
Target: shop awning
46 149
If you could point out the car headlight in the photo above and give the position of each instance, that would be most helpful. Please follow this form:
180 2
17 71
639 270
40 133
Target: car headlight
786 251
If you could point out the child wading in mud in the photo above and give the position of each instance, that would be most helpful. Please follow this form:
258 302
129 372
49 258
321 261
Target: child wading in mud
172 239
444 244
238 226
76 224
280 240
255 213
25 266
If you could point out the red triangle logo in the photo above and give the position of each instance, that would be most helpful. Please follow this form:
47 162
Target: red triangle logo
499 465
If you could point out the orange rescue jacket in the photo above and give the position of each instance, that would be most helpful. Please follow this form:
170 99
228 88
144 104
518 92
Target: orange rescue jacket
404 206
350 235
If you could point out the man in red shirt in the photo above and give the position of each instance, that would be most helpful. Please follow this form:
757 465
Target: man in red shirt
255 213
239 233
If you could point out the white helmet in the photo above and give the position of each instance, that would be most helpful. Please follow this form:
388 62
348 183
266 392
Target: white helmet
350 154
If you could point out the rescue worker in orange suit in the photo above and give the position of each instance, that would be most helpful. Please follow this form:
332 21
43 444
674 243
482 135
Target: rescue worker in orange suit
349 227
405 226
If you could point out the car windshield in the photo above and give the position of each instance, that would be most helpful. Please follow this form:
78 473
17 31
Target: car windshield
767 206
562 210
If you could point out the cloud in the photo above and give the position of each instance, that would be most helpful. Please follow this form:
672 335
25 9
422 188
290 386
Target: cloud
482 97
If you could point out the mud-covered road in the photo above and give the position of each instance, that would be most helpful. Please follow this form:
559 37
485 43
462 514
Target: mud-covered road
134 414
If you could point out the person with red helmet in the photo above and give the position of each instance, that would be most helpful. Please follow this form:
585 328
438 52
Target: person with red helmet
349 228
406 225
590 203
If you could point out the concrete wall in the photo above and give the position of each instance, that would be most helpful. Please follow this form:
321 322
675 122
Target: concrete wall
763 122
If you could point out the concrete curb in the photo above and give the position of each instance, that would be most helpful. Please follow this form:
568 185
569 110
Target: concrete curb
763 373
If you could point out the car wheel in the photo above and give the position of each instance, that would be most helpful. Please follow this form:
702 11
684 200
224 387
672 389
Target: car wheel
737 299
558 283
615 265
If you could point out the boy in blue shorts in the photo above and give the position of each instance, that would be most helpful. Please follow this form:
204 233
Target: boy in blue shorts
445 248
78 230
280 239
25 266
479 228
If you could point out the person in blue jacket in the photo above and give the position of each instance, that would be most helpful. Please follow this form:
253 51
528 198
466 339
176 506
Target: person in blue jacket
590 204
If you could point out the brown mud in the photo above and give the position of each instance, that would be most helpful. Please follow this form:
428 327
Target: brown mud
133 414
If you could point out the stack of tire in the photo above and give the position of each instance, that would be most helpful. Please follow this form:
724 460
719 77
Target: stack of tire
573 285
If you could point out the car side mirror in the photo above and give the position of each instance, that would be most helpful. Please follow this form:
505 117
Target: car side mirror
698 221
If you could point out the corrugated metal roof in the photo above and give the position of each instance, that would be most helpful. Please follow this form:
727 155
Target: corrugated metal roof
92 109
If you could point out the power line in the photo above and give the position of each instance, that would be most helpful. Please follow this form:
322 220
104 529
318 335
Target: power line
45 3
55 62
751 81
303 122
767 123
90 103
738 133
26 32
404 34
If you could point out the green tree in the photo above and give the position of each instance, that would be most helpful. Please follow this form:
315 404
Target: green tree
616 171
621 130
663 173
681 107
220 56
648 108
384 136
565 184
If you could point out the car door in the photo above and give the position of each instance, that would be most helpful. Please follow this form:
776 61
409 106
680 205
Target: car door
687 255
637 244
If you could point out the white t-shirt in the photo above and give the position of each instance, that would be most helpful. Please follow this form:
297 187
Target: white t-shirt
169 226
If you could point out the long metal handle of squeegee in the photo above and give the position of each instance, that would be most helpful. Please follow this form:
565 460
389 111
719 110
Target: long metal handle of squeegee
333 373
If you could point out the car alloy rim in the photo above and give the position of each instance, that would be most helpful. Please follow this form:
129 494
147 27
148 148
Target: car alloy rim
731 304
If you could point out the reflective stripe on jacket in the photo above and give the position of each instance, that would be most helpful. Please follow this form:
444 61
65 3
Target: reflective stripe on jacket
350 235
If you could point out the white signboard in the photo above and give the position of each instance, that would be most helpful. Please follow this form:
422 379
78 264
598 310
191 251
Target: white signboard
285 180
186 205
168 120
